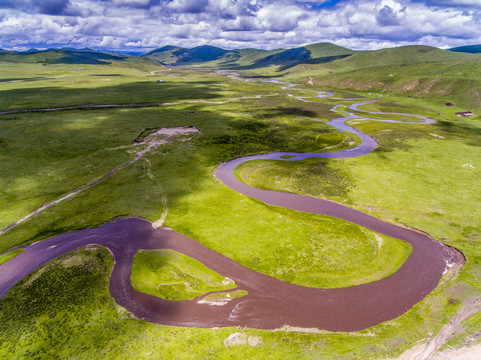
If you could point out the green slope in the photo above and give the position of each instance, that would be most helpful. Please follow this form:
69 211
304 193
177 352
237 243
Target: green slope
321 50
413 71
403 55
310 54
165 55
249 58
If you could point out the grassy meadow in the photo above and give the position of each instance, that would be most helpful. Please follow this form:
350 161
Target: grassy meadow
173 276
64 309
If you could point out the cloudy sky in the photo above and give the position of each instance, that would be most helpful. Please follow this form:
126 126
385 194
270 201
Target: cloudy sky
268 24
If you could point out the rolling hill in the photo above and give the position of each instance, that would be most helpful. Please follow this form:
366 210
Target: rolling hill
413 71
248 58
174 55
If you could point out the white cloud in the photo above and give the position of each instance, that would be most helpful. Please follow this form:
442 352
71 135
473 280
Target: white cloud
131 3
359 24
279 17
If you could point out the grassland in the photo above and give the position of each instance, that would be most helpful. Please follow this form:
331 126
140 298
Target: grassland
197 204
46 155
439 82
425 181
173 276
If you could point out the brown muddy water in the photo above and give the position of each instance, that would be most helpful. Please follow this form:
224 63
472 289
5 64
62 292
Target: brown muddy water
270 303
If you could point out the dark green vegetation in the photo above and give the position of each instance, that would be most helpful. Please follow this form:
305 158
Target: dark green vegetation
174 276
415 177
173 55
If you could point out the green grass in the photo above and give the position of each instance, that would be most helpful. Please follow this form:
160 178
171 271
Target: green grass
470 334
313 176
173 276
414 177
9 255
405 108
437 83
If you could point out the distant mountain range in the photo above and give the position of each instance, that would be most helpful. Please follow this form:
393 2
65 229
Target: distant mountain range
309 54
61 56
472 49
248 58
417 71
243 59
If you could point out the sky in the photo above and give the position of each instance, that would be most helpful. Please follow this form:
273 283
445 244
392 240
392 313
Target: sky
141 25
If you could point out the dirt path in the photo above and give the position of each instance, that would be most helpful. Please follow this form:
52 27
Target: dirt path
429 350
465 353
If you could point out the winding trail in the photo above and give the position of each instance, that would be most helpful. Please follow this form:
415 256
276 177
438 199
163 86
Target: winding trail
270 303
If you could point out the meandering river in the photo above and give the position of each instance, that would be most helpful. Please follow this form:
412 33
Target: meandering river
270 303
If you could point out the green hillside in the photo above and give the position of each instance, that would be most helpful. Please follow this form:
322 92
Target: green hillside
207 55
320 50
415 71
244 59
310 54
412 71
403 55
165 55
